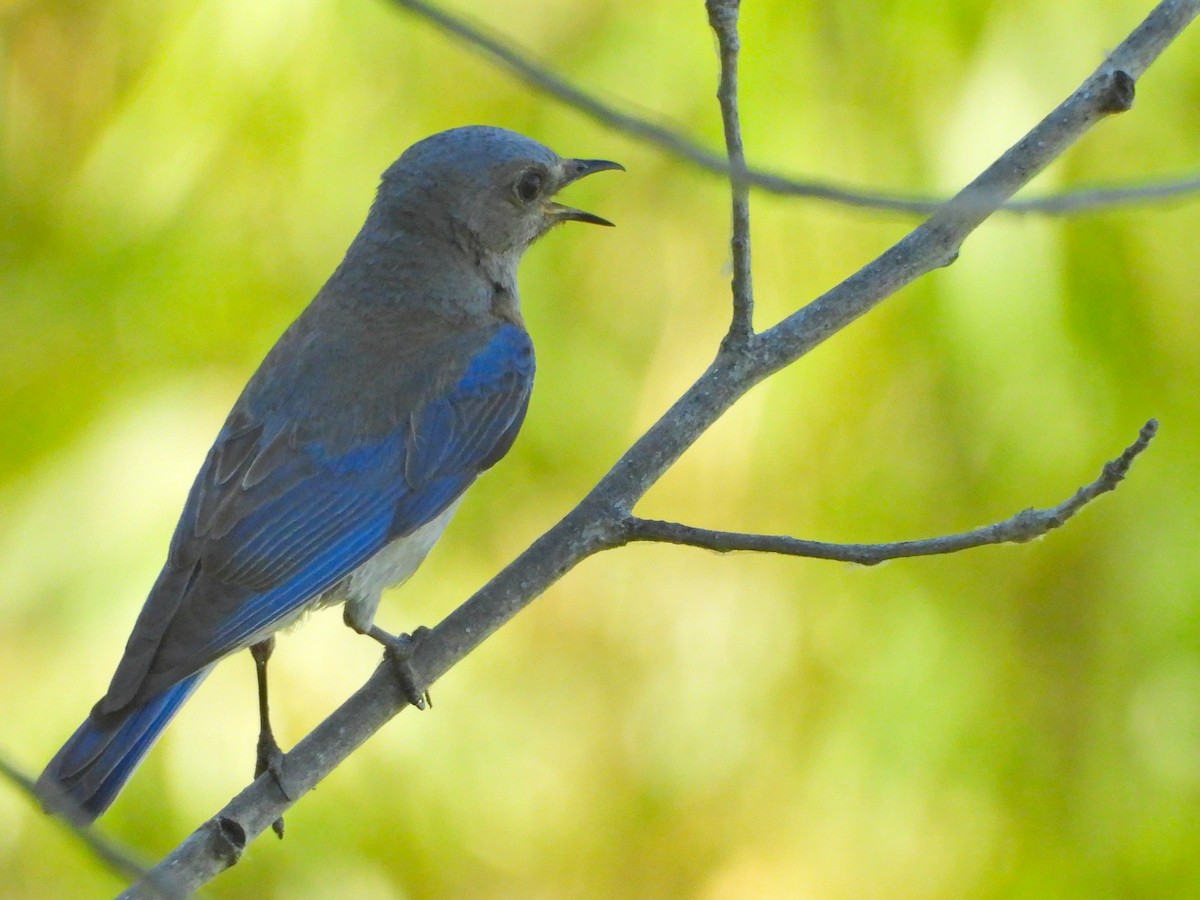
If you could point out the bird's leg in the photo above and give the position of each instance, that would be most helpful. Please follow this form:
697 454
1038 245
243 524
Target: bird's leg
398 648
270 756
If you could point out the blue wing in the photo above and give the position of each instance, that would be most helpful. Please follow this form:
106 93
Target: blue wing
281 513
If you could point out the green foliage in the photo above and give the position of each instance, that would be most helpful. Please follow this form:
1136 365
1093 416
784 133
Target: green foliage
177 179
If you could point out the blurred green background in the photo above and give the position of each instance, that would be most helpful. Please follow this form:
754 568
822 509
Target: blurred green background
177 179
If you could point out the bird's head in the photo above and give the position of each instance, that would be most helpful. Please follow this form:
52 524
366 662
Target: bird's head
488 188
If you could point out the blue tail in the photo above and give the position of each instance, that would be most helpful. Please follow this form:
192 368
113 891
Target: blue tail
93 765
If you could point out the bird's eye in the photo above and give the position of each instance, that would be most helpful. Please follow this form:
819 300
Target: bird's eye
529 185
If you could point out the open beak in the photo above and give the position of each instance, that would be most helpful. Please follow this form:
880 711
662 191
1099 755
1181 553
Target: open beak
573 170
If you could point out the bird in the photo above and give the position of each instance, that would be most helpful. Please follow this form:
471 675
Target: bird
349 449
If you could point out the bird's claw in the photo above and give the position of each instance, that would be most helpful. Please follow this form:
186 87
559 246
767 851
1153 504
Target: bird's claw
270 760
399 650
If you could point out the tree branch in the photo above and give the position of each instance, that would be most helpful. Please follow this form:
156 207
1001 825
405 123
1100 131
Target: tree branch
723 19
541 78
1024 526
597 522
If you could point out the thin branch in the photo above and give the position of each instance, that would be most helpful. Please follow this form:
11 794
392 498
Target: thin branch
596 523
1024 526
723 19
1089 199
542 78
121 860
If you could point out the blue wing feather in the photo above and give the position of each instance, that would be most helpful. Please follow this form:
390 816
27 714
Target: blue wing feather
293 498
461 429
345 508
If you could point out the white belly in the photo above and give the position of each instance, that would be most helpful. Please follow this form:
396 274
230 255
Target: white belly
392 565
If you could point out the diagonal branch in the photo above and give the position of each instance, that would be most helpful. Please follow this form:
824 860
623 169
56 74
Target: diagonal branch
597 522
542 78
1024 526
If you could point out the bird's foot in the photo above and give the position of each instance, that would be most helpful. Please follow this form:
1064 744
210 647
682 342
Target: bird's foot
399 649
270 760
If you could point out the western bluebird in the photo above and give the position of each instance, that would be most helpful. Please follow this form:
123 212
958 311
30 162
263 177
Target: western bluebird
348 451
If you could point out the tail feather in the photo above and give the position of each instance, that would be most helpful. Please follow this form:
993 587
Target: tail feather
93 765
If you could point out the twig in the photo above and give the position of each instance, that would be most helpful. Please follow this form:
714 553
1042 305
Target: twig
723 19
120 859
1089 199
1024 526
543 79
596 523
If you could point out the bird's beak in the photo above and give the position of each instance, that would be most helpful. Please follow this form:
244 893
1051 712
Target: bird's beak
573 170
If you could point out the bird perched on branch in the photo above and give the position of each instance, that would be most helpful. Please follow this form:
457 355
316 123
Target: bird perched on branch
348 451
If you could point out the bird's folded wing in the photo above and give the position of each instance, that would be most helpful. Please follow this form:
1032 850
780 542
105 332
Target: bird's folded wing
275 518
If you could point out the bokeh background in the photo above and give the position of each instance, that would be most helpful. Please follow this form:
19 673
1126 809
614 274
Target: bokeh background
177 179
